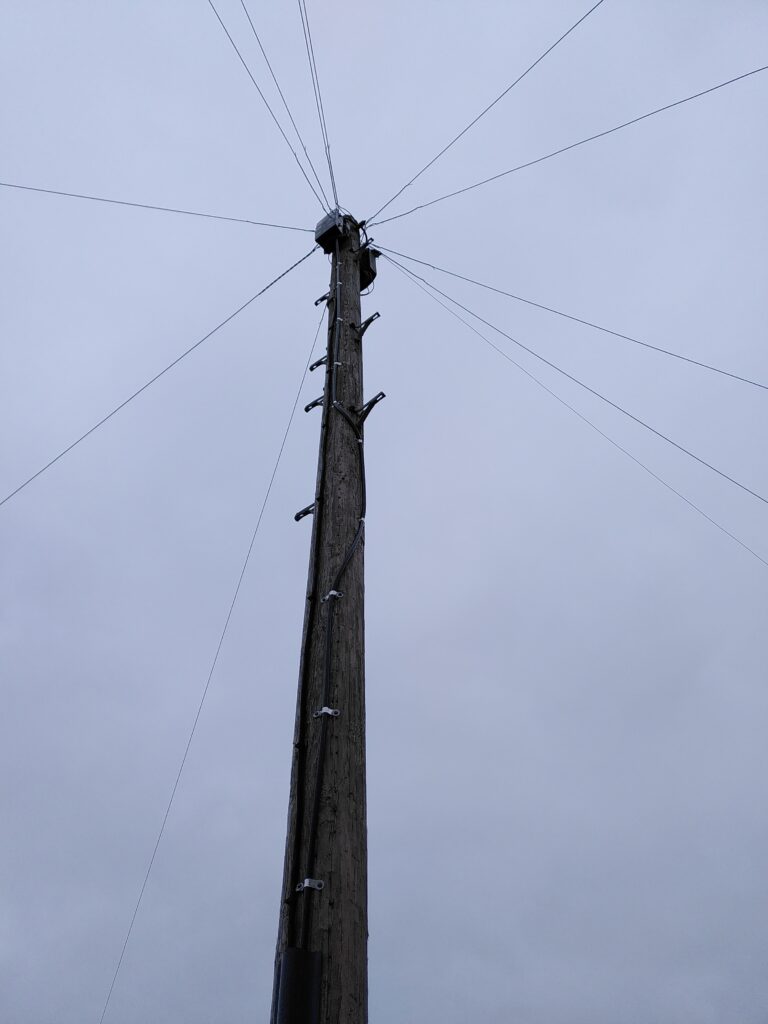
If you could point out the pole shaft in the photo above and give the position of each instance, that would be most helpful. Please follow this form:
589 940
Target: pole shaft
326 837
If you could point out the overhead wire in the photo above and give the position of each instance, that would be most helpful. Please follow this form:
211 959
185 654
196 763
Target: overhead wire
210 675
418 283
483 112
566 149
266 104
152 380
285 102
318 95
591 390
148 206
579 320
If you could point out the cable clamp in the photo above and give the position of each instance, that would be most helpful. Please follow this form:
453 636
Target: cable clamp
320 362
366 409
305 512
331 712
310 883
330 594
363 327
323 298
314 405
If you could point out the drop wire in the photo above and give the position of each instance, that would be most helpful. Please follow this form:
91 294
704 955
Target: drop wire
591 390
266 103
412 278
210 674
151 381
318 95
285 102
483 112
573 145
578 320
148 206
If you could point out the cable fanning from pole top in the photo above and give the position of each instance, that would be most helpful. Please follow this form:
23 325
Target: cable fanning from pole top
591 390
567 149
580 320
483 112
318 95
152 380
206 688
266 104
285 103
417 282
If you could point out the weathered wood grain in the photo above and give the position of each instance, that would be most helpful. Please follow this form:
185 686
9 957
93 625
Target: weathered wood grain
333 921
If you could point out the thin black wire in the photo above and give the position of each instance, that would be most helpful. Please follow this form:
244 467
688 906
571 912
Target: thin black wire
148 206
285 102
312 72
318 95
591 390
482 113
320 99
150 382
266 104
579 320
573 145
583 418
210 674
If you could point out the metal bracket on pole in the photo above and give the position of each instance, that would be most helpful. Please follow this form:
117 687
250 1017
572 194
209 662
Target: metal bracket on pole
323 298
320 362
363 327
305 512
330 712
366 409
314 405
330 594
310 883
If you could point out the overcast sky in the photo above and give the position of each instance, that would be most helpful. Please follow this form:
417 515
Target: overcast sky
566 664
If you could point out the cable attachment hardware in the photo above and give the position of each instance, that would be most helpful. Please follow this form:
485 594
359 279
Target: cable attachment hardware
330 594
323 298
305 512
314 405
310 883
367 263
320 362
366 324
366 409
331 712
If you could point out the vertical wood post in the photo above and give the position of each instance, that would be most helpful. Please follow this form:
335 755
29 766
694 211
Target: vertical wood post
326 841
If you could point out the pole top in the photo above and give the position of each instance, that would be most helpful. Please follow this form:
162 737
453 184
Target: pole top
332 228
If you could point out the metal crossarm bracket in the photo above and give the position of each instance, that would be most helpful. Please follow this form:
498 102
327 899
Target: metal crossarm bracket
331 712
367 323
330 594
323 298
310 883
366 409
305 512
314 405
320 362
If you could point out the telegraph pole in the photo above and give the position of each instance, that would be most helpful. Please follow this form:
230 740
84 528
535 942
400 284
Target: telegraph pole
321 972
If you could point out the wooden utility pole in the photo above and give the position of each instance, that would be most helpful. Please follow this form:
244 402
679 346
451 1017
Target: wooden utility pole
321 958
